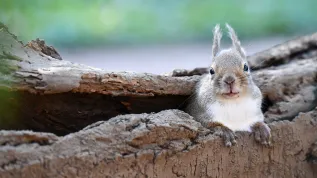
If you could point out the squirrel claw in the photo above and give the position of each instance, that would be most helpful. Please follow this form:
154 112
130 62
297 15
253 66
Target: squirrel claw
227 135
228 144
232 143
262 133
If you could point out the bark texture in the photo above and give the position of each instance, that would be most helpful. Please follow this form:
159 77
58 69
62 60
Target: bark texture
166 144
106 124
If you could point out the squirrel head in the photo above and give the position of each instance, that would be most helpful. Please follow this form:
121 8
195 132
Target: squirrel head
229 69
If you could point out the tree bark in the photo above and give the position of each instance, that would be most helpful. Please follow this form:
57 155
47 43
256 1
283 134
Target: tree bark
41 92
54 95
166 144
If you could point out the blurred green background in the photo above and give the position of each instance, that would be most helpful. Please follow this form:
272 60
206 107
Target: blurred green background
154 36
69 23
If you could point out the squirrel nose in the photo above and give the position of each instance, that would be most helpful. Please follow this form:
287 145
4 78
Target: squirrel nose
230 80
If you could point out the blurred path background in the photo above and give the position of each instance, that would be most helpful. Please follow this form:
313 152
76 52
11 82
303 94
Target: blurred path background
154 36
157 59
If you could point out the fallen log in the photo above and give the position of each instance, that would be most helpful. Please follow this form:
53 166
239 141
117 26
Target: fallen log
300 48
47 94
166 144
110 134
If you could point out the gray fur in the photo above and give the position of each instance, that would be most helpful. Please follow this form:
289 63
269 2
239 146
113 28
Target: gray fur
211 103
197 104
216 42
235 41
225 63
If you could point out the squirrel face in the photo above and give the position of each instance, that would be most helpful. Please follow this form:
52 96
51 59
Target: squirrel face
230 74
229 70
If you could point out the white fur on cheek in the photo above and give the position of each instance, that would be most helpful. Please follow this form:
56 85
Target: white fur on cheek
237 115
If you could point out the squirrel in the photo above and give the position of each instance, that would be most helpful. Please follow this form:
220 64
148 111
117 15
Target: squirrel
226 99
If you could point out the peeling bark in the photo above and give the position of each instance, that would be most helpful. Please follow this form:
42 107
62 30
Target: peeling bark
40 46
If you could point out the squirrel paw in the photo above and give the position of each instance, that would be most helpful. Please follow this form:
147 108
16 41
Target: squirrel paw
262 133
227 135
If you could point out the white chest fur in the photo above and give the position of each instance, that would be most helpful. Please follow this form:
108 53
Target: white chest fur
238 115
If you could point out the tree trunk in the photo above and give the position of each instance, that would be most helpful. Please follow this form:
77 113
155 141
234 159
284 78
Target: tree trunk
41 92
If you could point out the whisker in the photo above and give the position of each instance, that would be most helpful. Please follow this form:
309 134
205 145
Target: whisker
190 96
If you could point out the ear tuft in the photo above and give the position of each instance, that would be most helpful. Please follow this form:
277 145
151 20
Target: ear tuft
216 41
235 41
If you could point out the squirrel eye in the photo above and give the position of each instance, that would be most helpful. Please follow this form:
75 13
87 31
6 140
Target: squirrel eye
212 71
245 68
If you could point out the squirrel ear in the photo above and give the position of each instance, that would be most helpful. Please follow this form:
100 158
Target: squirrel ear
235 41
216 42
